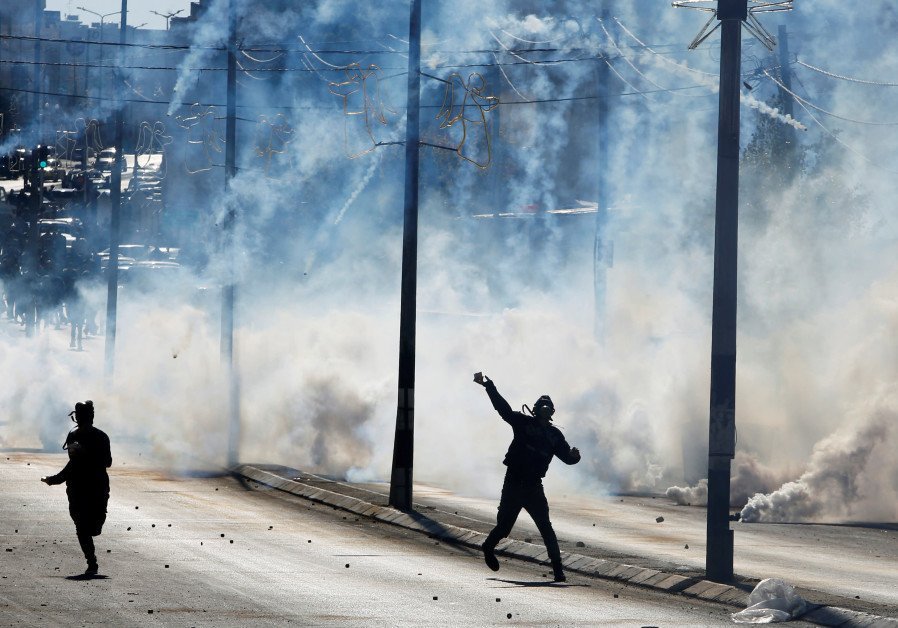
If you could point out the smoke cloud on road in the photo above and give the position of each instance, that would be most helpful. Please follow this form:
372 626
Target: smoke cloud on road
506 282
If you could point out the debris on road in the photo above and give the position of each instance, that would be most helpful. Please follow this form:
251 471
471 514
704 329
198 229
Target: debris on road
772 600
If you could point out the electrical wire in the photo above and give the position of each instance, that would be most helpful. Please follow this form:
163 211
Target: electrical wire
327 107
168 68
659 55
526 41
508 80
849 148
625 81
514 54
251 58
88 42
247 72
845 78
628 62
803 102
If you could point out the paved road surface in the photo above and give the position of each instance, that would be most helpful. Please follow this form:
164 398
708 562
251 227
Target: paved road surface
210 552
845 560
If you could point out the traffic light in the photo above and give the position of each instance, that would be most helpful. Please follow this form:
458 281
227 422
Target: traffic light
39 157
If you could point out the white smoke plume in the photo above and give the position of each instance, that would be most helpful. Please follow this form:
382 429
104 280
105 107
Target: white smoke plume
773 112
847 479
749 477
207 40
509 296
689 495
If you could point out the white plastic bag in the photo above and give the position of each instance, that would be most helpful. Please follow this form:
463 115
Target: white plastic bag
772 600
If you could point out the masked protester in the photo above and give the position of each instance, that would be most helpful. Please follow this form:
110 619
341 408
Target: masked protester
87 483
534 444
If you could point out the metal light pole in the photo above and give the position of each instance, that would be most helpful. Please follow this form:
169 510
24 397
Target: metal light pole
168 17
115 214
403 444
731 15
37 180
601 248
102 17
37 107
229 290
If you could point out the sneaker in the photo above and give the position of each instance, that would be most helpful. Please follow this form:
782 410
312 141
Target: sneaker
559 576
490 557
92 569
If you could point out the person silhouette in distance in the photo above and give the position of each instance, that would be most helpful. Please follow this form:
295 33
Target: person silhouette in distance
87 483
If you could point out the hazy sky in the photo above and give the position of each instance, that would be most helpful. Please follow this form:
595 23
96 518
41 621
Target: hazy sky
139 11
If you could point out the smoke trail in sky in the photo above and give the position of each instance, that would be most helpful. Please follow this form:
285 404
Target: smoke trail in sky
773 112
209 36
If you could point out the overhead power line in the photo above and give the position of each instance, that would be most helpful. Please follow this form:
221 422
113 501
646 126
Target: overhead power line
807 103
325 107
845 78
88 42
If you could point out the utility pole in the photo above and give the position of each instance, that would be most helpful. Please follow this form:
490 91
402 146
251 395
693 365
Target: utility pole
730 17
791 137
37 178
403 445
38 107
229 290
601 248
785 70
722 425
115 212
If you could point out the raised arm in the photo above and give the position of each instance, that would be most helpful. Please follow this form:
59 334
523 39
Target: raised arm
499 403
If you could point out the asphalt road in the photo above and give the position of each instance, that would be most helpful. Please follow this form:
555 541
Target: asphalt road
213 552
842 560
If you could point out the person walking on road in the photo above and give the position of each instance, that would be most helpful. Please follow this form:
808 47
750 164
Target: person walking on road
534 444
87 483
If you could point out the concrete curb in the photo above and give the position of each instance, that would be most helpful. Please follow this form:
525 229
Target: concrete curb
577 563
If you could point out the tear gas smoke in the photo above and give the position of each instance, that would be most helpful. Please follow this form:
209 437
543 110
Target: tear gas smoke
748 478
766 109
850 476
316 341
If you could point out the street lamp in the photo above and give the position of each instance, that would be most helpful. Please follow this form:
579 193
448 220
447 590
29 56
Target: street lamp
167 16
102 17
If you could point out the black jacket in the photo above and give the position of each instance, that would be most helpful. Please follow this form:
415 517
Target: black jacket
85 474
533 445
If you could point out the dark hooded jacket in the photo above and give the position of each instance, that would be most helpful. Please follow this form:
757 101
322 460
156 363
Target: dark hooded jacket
85 474
534 443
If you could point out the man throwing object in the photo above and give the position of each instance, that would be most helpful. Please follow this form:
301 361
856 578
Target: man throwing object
535 441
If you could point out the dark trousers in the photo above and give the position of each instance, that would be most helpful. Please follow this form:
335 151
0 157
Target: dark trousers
529 495
86 540
89 515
